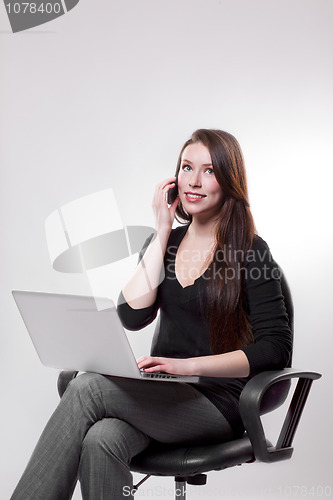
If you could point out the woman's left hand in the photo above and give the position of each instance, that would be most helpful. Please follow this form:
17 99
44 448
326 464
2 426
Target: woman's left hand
174 366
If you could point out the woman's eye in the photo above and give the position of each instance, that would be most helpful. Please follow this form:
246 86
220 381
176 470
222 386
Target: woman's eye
210 171
187 168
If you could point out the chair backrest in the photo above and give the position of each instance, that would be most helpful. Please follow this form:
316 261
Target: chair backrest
288 301
277 393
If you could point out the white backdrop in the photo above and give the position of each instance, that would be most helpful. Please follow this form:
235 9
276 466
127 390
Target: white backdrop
105 96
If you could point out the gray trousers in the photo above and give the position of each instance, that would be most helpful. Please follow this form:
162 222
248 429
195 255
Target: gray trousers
101 423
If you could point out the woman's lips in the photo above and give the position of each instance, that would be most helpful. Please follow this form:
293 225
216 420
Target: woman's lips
194 197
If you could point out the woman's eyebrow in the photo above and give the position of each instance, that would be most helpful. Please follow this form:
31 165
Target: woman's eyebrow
203 165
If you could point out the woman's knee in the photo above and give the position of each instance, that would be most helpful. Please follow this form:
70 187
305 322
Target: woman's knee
95 437
107 437
114 438
86 382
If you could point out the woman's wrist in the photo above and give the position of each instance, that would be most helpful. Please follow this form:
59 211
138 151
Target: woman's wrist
163 232
193 366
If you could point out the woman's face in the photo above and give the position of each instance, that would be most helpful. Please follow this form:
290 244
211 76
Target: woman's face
199 191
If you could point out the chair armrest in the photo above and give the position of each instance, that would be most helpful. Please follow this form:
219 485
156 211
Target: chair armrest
64 379
249 404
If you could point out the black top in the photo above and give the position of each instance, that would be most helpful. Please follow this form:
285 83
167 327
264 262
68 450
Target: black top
182 331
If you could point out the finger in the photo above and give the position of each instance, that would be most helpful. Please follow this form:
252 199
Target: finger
169 180
165 183
174 205
167 189
147 361
160 194
151 362
142 363
157 368
141 358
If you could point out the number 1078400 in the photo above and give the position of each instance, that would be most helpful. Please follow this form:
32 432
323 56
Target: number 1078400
33 8
298 491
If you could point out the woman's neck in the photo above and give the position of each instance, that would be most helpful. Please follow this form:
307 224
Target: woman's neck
202 228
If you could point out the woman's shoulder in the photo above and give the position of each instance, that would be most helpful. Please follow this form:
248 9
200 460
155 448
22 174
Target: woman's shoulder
259 251
259 243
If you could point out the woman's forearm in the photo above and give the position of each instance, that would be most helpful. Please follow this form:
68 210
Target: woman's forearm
141 290
231 364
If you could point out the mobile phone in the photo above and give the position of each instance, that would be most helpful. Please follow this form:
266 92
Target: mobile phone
172 193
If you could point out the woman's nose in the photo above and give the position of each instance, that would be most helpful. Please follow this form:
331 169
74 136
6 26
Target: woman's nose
195 180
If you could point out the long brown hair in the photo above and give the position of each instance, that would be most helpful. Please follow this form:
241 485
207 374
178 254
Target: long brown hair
225 296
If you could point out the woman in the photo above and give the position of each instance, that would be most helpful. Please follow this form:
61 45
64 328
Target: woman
222 317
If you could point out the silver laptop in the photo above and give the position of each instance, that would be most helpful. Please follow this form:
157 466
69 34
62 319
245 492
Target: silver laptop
69 332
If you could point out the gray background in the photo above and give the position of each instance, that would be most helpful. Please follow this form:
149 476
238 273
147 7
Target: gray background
105 96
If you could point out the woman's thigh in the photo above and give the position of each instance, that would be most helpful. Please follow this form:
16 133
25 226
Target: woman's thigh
168 412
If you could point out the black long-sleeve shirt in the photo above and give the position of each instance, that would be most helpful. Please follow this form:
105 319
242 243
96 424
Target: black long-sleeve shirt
182 329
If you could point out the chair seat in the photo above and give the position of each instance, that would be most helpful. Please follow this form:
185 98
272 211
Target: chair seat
166 460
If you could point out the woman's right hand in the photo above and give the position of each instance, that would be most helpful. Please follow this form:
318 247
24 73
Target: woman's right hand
164 214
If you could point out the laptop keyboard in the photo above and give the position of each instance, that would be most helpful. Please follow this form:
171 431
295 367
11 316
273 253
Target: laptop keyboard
158 375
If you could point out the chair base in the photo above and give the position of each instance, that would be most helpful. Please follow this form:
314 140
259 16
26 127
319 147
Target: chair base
180 488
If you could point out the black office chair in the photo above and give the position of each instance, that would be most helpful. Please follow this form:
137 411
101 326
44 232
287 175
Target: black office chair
262 394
